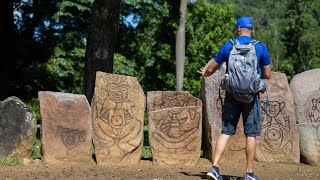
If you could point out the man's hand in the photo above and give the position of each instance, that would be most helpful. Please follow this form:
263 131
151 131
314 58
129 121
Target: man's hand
202 71
205 72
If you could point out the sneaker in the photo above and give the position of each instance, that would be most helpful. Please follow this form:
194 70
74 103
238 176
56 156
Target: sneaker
214 174
250 176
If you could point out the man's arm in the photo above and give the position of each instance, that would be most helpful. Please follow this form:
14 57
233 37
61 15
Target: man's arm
266 72
205 72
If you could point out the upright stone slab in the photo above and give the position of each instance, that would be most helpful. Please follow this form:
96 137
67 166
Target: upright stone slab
279 141
66 133
306 91
17 129
174 127
118 114
212 109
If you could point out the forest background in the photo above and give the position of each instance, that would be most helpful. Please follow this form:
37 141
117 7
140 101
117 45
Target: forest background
43 43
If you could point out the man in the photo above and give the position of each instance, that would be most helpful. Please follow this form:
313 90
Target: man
232 108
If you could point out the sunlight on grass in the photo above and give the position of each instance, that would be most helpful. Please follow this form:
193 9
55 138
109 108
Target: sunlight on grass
146 152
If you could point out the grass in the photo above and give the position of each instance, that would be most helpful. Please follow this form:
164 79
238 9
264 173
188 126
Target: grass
146 152
10 161
36 153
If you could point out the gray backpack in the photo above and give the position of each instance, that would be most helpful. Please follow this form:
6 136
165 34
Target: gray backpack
242 80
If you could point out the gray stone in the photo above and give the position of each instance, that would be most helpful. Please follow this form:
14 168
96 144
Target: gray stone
212 109
310 143
17 129
66 133
305 88
279 141
118 114
306 91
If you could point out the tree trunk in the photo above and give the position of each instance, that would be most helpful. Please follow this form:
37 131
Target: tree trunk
180 46
6 41
101 42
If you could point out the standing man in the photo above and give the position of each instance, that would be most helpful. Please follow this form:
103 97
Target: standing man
233 106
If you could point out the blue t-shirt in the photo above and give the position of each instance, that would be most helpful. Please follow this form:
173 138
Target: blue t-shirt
261 50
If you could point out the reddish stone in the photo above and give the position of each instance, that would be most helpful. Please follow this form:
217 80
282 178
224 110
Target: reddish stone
66 133
279 141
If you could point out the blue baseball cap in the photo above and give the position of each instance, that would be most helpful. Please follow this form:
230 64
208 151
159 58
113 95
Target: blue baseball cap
245 22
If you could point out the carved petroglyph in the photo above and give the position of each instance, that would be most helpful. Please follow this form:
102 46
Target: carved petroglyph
70 137
314 117
114 119
174 127
314 113
170 99
275 123
175 134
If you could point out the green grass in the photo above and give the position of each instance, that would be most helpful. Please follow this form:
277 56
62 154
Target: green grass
11 161
36 154
146 152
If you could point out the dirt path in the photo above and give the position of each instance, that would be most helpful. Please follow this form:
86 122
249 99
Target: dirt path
146 170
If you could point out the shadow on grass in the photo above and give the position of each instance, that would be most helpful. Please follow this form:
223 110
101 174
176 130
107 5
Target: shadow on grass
203 175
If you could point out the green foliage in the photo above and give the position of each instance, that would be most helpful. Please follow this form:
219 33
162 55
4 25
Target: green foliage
65 68
33 105
301 36
11 161
146 152
208 27
123 66
66 8
36 153
151 45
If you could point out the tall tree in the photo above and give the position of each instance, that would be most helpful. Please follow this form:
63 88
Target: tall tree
6 45
181 45
101 42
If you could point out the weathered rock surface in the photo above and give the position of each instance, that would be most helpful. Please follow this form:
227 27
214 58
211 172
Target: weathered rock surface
66 133
279 141
174 127
306 91
118 115
212 109
305 88
17 129
310 143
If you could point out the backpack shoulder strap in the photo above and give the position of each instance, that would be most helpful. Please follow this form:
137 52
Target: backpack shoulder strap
254 42
257 64
234 41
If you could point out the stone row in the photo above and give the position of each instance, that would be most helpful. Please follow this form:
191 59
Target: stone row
290 118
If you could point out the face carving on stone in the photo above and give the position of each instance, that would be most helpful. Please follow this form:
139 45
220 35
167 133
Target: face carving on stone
316 104
117 92
273 108
70 137
174 99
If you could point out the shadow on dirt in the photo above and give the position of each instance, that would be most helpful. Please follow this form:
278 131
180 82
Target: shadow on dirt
202 175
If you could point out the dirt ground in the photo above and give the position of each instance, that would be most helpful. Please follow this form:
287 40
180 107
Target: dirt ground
231 170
